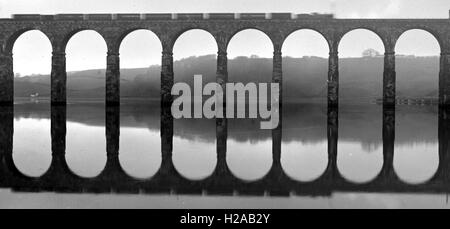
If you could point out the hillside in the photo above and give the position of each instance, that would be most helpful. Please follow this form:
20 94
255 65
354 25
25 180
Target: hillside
360 78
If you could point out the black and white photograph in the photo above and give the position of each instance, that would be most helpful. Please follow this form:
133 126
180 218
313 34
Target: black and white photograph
224 104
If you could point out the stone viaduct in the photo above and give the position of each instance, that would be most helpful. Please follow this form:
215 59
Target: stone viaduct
168 27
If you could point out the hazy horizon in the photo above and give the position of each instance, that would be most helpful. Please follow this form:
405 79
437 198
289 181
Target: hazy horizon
249 56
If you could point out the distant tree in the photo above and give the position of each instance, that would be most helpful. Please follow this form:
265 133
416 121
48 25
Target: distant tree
370 53
17 75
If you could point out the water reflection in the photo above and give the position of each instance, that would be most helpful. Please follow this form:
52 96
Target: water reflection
305 159
32 153
140 146
194 157
249 149
359 161
86 144
416 162
363 148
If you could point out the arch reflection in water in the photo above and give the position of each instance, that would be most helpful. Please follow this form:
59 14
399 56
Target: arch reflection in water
59 178
194 150
194 154
86 142
416 157
417 161
360 160
32 146
86 153
360 148
304 148
140 141
249 149
32 142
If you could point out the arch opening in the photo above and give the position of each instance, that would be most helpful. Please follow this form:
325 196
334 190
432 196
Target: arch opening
140 77
360 143
249 149
194 151
32 65
304 146
85 140
416 152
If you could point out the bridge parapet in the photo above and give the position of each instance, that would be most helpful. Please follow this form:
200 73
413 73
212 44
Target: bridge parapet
169 16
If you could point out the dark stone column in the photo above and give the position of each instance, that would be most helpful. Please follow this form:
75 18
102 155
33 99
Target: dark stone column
443 173
444 80
59 171
277 77
113 78
6 79
166 77
6 141
277 170
388 143
58 78
221 139
113 171
333 78
166 140
389 79
58 130
166 115
332 136
221 123
112 130
222 68
167 167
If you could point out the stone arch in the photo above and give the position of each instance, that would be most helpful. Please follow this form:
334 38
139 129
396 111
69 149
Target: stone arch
260 158
431 32
303 29
127 32
94 153
72 33
230 38
39 34
68 37
301 161
359 160
370 30
421 164
29 161
426 30
12 39
118 45
186 30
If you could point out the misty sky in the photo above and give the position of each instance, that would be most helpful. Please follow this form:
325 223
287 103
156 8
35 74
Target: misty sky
86 50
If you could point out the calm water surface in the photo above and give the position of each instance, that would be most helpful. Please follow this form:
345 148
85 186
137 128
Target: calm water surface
304 155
